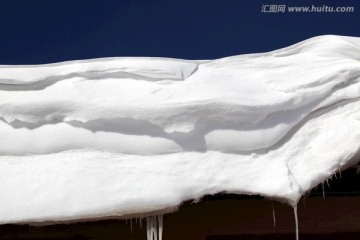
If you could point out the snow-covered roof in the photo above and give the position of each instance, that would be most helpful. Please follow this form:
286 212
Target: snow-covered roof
129 136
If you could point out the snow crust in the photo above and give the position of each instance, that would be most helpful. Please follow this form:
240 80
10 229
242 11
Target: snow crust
126 136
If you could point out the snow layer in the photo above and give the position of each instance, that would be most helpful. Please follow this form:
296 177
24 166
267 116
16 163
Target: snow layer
126 136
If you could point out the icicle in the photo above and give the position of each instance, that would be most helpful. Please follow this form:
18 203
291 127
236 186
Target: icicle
140 220
154 227
148 228
323 188
340 173
161 226
296 222
131 225
327 182
273 212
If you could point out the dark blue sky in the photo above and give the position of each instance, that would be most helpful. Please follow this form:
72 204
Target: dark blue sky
43 31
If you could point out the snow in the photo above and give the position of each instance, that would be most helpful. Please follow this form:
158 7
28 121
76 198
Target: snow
124 137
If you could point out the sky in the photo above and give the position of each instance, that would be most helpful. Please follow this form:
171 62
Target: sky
43 31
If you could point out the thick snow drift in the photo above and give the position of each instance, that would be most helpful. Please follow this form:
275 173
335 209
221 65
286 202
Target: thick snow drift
127 136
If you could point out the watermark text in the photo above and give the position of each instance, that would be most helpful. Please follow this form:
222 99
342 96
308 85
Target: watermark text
306 9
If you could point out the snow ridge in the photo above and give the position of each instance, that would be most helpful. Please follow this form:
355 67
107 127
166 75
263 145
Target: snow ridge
86 138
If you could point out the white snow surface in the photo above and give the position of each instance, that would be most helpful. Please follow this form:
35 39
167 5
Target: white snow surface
116 137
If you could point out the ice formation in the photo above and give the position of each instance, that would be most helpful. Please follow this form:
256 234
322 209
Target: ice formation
154 227
273 214
122 137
